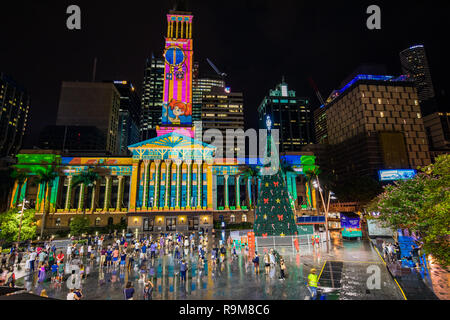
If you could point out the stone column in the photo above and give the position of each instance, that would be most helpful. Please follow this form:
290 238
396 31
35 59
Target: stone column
119 194
68 193
209 185
199 183
157 183
238 193
107 193
227 206
145 192
94 195
134 185
167 183
178 163
81 197
189 183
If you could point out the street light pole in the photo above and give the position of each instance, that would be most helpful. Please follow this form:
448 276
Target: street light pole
325 208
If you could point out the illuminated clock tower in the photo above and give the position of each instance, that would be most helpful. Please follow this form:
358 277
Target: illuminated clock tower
178 52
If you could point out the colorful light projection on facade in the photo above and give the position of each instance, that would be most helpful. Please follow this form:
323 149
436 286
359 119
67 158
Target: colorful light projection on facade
185 131
177 99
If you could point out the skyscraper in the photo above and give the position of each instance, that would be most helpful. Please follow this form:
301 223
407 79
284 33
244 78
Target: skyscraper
152 97
93 104
291 115
200 86
129 115
14 106
415 64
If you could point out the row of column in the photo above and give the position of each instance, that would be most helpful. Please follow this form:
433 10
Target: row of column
95 193
168 183
238 192
185 28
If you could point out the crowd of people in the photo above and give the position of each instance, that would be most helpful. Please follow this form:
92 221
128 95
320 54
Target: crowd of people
392 254
74 262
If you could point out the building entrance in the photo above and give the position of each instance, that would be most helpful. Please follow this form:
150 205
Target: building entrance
171 223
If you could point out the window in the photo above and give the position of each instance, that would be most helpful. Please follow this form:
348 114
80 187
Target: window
244 218
97 221
382 114
232 218
58 222
70 220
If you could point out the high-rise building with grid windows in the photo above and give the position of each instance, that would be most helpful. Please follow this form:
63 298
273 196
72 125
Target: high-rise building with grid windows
415 64
14 107
152 97
290 114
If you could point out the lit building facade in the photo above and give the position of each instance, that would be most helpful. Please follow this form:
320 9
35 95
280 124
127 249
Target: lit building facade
374 123
171 182
14 107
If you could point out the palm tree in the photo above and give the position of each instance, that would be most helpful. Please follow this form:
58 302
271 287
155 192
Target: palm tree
251 173
19 175
86 179
46 178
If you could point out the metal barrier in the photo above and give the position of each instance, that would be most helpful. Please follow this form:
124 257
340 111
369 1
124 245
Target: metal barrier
304 242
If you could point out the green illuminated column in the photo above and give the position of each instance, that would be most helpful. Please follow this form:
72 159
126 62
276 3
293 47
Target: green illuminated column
107 193
238 193
68 193
119 194
157 183
249 192
178 163
188 183
167 183
81 197
145 195
199 183
226 192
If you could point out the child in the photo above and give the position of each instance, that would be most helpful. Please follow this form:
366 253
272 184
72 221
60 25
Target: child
61 272
54 272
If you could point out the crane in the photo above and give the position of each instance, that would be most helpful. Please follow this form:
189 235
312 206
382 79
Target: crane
222 74
316 90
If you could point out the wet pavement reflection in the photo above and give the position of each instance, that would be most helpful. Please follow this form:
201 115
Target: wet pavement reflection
235 278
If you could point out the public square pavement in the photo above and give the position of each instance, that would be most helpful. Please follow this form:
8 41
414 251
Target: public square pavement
343 275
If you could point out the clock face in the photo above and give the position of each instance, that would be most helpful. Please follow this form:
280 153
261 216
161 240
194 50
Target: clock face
174 56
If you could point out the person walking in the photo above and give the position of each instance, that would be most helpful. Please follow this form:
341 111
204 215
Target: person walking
128 292
313 282
256 262
148 290
282 269
266 263
183 269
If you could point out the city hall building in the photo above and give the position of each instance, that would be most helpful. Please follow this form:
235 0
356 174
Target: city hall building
172 182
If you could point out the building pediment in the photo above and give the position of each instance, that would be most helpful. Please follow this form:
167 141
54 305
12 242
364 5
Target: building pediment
172 146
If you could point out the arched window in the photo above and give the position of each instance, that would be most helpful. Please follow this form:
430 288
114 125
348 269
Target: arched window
98 221
232 218
244 218
70 220
58 222
110 221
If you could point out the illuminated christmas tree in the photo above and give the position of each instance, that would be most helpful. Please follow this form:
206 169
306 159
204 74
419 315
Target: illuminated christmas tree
274 215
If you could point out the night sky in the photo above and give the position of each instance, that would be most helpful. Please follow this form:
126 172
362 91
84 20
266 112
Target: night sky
254 41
